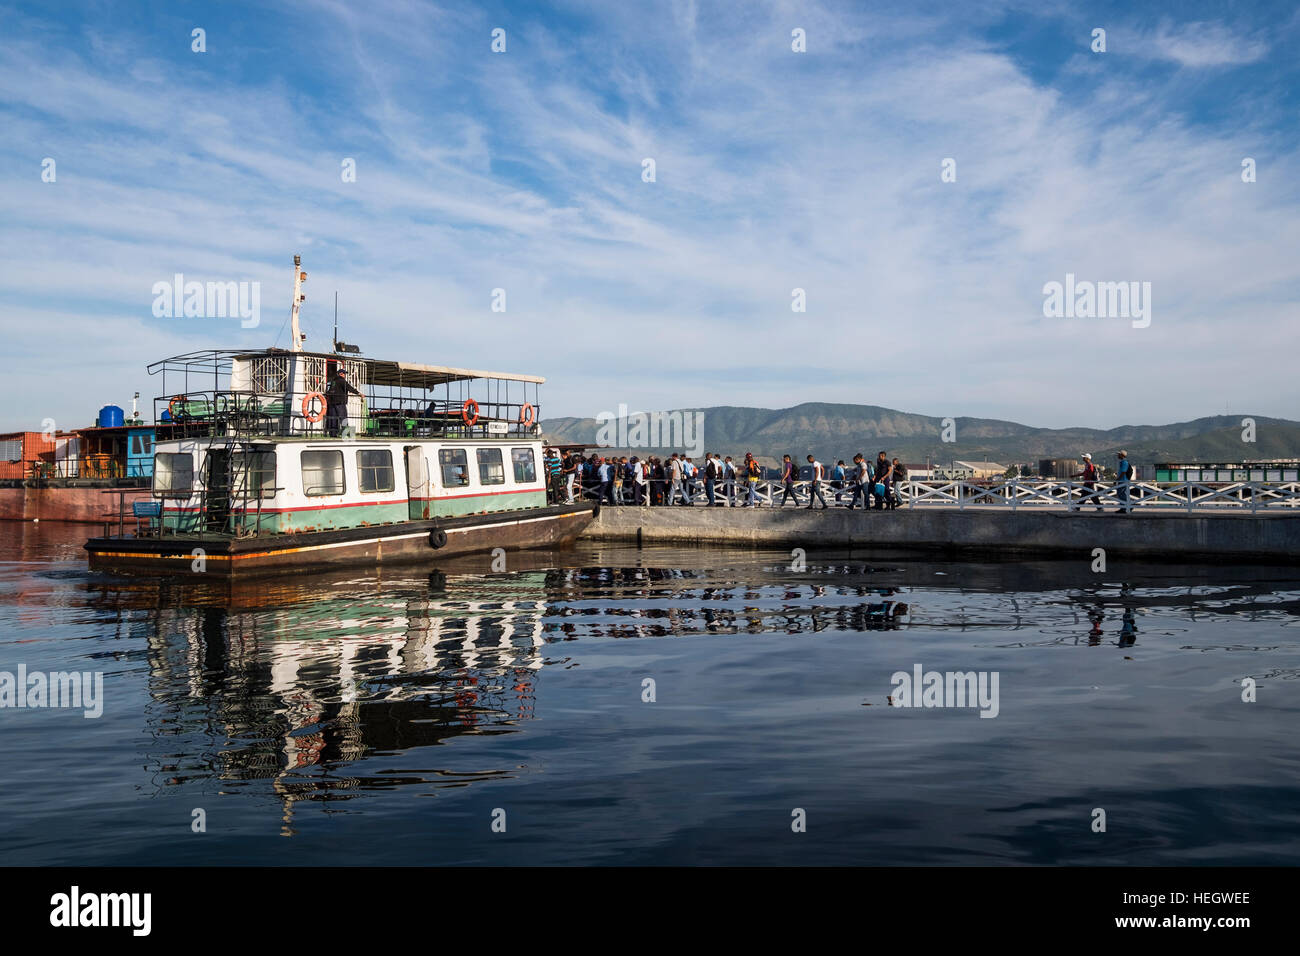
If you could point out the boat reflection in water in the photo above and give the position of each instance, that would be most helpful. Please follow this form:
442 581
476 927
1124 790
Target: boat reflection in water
294 680
300 680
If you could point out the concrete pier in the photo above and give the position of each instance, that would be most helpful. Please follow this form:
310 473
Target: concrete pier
1207 537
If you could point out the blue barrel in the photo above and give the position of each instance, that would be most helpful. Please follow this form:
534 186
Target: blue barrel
111 416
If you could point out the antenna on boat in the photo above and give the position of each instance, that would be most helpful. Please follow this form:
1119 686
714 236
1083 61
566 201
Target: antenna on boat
341 346
299 277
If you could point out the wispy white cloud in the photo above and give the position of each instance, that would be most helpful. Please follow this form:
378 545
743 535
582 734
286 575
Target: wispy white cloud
1204 44
775 170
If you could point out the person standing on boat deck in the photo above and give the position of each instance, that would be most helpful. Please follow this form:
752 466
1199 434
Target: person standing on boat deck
1089 477
1124 476
688 479
569 468
729 481
336 402
551 459
815 489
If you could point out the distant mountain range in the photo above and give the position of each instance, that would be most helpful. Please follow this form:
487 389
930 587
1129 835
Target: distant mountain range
832 431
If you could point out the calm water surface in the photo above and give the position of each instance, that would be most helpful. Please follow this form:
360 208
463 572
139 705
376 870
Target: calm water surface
386 717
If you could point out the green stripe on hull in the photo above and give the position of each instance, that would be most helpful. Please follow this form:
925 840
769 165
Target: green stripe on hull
455 507
331 518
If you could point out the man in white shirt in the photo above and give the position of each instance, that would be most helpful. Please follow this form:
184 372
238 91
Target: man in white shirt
815 489
641 476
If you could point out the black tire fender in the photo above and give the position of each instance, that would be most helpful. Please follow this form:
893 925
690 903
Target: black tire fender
437 538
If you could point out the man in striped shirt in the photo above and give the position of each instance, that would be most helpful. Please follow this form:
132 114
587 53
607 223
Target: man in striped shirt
553 470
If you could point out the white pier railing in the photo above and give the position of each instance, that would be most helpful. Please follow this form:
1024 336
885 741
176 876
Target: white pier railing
1012 494
1188 496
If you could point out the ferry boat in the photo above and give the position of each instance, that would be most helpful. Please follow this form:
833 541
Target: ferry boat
261 472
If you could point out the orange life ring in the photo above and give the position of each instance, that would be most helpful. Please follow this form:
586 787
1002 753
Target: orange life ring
465 412
307 413
527 414
171 406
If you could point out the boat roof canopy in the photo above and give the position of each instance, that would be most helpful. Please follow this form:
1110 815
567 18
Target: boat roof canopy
378 371
414 375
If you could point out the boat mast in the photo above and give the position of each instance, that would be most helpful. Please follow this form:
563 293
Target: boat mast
299 277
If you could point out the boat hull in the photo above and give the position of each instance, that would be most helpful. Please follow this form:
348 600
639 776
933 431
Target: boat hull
410 542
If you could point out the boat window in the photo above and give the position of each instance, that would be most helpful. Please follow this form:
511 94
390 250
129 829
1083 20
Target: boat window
322 473
374 470
455 467
148 443
135 445
173 472
260 479
525 468
490 469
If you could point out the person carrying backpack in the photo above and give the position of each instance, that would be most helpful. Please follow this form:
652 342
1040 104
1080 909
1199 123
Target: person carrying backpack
752 474
1124 482
837 481
676 488
1089 476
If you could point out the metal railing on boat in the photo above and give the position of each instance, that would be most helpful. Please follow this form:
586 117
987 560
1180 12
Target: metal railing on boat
246 414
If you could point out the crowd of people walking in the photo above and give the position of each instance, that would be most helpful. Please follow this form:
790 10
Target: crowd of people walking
721 482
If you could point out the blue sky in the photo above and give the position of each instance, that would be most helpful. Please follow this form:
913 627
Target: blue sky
775 170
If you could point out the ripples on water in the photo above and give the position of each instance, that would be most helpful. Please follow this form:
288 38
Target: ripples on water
383 716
